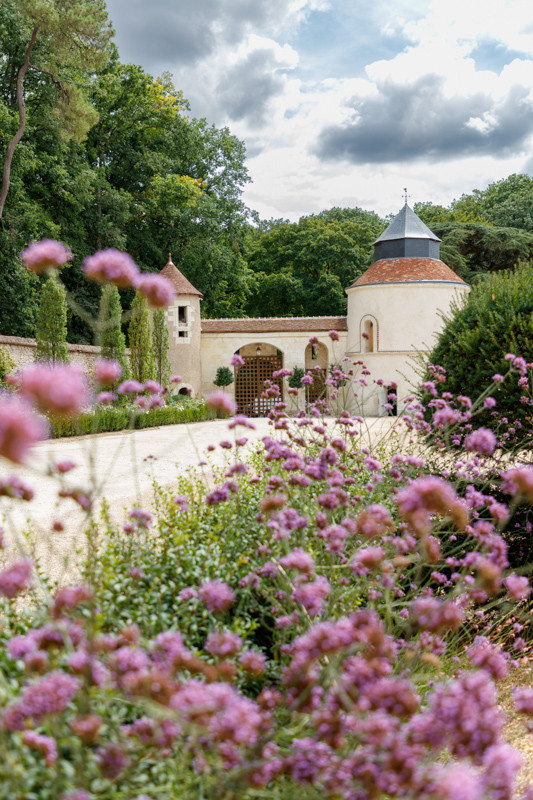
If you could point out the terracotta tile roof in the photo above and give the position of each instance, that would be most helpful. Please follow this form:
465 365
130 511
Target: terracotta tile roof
178 279
274 324
407 270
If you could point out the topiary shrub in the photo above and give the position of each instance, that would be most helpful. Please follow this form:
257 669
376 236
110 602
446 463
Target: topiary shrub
160 345
295 380
223 377
51 323
140 336
496 319
111 337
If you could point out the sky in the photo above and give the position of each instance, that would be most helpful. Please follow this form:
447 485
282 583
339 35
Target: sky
346 102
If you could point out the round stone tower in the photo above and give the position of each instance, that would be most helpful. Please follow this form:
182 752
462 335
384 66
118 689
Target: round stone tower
184 329
395 307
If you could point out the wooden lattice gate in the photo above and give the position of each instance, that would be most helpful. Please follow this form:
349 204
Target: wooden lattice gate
317 390
250 384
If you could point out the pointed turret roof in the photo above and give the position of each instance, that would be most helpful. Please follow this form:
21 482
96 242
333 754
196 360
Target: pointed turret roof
178 279
407 225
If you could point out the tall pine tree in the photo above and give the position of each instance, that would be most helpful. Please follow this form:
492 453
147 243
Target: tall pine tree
140 336
51 323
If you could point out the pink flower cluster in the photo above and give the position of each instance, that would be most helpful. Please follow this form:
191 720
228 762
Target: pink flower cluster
20 429
60 390
44 255
113 266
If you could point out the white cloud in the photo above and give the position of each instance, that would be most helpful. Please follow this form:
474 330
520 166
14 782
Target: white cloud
442 124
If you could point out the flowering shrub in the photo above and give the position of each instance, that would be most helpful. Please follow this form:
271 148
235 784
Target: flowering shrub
474 349
317 618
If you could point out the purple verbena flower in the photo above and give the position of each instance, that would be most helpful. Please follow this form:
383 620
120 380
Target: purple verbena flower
112 266
107 371
216 595
158 290
20 429
16 578
221 401
60 390
46 254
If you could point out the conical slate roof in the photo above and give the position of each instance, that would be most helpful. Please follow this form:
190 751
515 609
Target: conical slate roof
178 279
407 225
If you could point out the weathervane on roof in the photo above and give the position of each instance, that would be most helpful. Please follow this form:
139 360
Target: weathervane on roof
406 195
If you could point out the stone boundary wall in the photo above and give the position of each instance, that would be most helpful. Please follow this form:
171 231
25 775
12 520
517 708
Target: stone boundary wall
22 351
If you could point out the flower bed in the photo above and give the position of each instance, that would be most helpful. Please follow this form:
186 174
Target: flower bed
318 619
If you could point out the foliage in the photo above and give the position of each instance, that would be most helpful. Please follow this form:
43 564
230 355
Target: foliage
295 380
140 340
160 344
340 621
111 337
507 203
74 41
7 365
496 319
148 178
303 268
472 249
117 418
51 323
223 377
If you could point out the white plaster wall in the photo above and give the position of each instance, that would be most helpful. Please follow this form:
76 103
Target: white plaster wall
407 318
407 314
218 348
391 367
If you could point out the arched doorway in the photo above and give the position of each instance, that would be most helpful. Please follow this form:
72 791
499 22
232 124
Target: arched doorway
316 362
261 360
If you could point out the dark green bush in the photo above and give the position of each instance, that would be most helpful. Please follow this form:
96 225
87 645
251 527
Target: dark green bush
223 377
295 380
496 319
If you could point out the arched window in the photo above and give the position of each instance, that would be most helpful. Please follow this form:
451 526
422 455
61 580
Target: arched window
368 336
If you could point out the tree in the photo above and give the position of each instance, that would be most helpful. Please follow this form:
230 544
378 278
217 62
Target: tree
313 261
111 337
495 319
474 248
223 377
160 346
140 338
51 323
77 34
507 203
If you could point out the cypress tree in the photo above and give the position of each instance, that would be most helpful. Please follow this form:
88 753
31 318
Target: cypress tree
160 345
112 340
140 336
51 323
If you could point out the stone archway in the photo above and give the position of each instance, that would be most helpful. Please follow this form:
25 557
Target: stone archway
260 362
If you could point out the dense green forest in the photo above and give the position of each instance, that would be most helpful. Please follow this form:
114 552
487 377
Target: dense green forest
109 156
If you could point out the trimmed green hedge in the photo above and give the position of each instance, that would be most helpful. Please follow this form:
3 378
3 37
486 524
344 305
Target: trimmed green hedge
110 418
